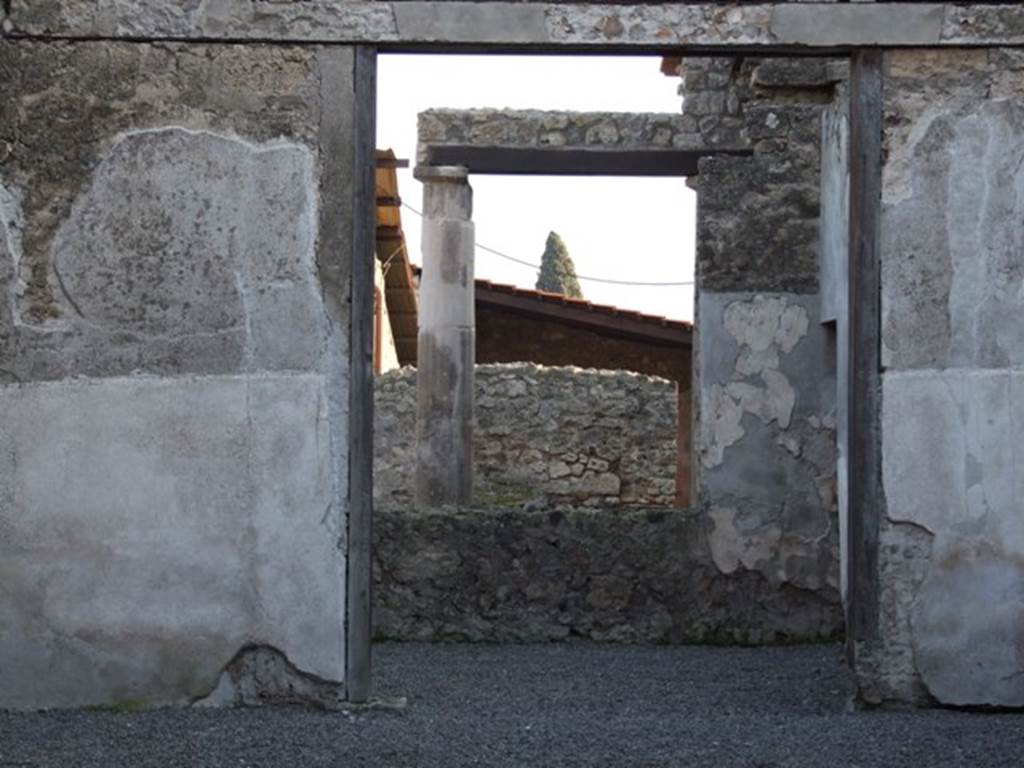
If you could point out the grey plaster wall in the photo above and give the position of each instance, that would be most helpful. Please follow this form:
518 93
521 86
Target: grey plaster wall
764 363
152 528
952 617
174 355
766 439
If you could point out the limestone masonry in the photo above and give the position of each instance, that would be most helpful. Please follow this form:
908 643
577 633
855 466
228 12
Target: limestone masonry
544 435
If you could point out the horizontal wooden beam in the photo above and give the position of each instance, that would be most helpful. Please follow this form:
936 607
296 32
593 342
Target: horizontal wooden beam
552 161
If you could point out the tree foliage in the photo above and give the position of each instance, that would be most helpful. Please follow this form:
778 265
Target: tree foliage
557 272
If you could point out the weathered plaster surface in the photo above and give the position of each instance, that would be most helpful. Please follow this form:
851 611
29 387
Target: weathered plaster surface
766 439
695 25
951 470
966 268
951 540
216 258
129 122
764 364
182 532
151 528
12 222
763 329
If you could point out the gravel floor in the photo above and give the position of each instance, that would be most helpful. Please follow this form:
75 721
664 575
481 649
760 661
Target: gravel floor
554 705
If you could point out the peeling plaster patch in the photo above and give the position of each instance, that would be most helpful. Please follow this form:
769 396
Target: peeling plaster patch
897 173
720 425
218 239
724 539
262 674
734 543
12 221
964 492
764 323
765 329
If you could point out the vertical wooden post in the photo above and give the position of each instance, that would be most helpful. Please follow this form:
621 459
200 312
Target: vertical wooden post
360 523
864 447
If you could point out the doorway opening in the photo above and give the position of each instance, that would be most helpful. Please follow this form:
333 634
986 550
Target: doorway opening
524 556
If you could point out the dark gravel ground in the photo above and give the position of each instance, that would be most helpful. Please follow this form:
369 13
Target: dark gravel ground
553 705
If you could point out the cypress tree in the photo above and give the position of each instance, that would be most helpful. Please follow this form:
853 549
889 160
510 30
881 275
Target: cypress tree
557 272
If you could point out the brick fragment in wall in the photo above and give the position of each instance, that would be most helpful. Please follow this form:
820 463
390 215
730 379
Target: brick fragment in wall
558 434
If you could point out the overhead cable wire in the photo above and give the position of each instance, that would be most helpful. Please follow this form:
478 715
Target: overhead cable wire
605 280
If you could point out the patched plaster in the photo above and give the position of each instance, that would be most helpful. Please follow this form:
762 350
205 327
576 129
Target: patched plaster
765 329
966 616
12 222
733 543
220 245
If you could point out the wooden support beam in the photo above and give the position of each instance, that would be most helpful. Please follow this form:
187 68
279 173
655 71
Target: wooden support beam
572 162
360 516
864 448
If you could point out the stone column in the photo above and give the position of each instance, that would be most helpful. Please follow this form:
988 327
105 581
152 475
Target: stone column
447 341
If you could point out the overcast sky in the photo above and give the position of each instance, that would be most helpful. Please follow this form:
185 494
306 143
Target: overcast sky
617 228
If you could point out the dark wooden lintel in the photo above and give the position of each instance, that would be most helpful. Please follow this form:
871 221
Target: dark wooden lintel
553 161
864 444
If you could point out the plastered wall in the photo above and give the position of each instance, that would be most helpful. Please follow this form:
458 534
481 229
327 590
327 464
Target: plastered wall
173 373
951 538
764 363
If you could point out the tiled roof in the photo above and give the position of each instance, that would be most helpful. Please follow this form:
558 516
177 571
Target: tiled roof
582 304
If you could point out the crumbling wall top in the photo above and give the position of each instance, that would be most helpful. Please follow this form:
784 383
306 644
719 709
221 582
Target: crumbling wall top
554 130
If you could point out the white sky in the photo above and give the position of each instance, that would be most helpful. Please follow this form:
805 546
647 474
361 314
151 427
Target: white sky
640 229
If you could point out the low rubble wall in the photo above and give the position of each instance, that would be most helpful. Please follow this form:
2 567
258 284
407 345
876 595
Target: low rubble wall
544 434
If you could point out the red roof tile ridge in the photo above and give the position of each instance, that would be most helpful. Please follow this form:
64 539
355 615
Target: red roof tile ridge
549 296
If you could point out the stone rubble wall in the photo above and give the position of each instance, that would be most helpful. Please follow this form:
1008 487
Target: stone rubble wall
552 435
632 575
772 107
530 128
